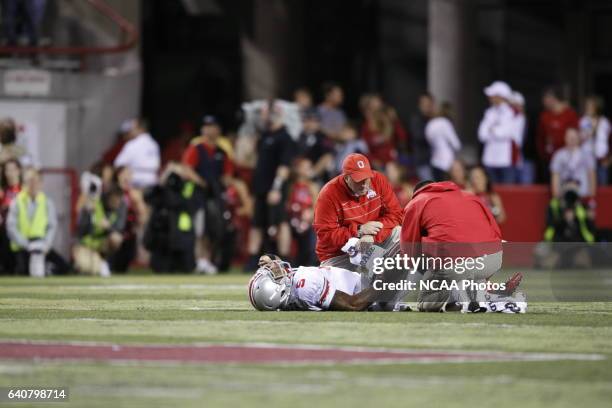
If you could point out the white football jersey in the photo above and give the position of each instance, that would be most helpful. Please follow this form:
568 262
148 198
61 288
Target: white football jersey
313 287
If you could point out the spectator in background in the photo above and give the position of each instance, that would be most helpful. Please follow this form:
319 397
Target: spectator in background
136 217
572 164
595 134
480 185
457 174
523 170
101 221
9 149
209 166
443 140
300 207
303 97
24 15
10 186
316 147
332 116
31 225
381 130
497 131
420 145
140 153
348 143
275 152
397 177
553 123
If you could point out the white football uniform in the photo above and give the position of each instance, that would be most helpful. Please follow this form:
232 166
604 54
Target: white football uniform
313 287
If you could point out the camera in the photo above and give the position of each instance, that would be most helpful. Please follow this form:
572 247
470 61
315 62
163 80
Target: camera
91 185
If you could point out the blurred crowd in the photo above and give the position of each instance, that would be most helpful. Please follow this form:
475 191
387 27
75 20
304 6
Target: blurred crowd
209 199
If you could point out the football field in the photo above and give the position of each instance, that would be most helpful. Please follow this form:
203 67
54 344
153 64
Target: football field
194 341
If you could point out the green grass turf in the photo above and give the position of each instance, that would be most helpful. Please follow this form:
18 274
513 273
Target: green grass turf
197 309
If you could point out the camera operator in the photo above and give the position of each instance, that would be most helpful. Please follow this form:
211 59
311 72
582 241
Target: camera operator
169 234
101 219
568 222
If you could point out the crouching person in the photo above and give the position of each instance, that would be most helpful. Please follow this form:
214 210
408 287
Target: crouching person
31 225
169 235
101 219
443 225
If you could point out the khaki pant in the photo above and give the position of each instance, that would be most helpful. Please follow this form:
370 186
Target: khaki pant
86 260
437 300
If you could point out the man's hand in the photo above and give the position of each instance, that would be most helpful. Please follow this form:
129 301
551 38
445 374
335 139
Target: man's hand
365 242
274 197
371 228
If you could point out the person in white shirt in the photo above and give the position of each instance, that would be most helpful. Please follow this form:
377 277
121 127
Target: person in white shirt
442 137
497 131
571 164
523 170
140 154
595 135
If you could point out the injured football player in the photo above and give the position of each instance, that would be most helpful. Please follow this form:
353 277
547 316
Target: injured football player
278 286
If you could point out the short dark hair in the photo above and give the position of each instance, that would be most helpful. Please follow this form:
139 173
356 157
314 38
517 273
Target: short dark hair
554 90
8 131
328 86
3 180
422 184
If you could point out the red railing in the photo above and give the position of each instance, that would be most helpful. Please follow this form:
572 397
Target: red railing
128 38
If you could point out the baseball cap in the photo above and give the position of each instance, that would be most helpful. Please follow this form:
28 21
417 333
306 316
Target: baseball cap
210 120
357 166
499 88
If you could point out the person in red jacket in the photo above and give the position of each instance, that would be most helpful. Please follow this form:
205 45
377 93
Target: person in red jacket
442 221
358 203
554 121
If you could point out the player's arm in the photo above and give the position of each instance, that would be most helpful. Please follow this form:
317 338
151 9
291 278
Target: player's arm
344 302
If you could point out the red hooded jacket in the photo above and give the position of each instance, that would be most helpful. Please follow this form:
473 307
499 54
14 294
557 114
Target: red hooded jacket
440 215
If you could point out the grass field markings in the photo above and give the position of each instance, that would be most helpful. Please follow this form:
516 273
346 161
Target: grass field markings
263 353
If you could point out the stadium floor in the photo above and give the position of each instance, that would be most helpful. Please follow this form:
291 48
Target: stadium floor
567 348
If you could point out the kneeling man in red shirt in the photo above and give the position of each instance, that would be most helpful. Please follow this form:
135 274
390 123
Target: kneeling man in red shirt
457 239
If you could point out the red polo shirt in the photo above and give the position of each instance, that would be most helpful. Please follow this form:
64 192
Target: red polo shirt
551 131
339 213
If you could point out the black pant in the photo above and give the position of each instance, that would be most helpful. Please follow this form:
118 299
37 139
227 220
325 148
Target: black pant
54 263
7 257
120 261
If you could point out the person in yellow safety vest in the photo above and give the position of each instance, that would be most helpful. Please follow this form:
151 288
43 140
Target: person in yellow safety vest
31 225
568 220
570 233
101 219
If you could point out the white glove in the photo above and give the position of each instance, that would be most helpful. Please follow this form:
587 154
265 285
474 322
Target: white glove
352 249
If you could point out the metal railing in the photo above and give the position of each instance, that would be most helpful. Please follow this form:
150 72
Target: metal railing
127 39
